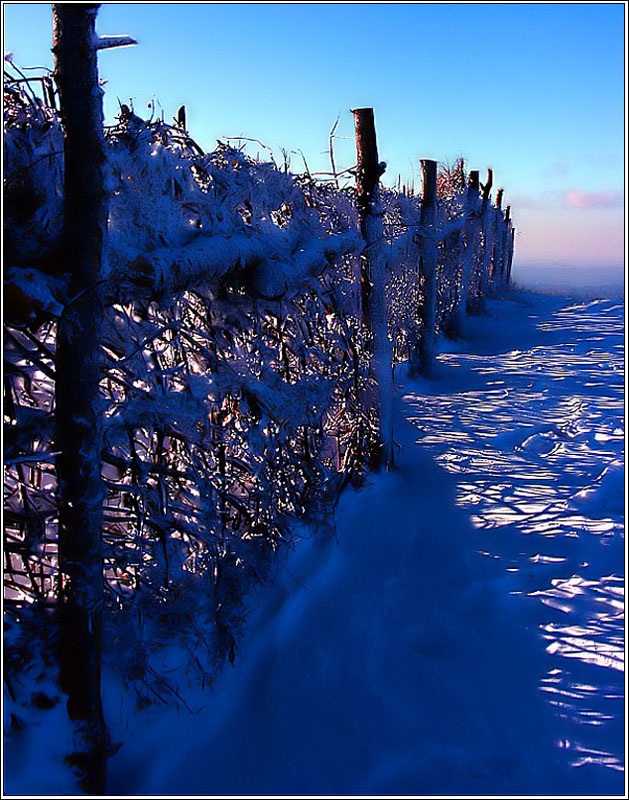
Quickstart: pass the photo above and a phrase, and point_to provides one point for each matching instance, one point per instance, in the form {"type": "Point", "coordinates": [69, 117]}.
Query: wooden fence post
{"type": "Point", "coordinates": [373, 279]}
{"type": "Point", "coordinates": [471, 243]}
{"type": "Point", "coordinates": [78, 417]}
{"type": "Point", "coordinates": [506, 246]}
{"type": "Point", "coordinates": [496, 276]}
{"type": "Point", "coordinates": [428, 259]}
{"type": "Point", "coordinates": [487, 216]}
{"type": "Point", "coordinates": [510, 258]}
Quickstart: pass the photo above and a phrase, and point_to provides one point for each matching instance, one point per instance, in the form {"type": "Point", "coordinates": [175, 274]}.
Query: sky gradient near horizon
{"type": "Point", "coordinates": [535, 91]}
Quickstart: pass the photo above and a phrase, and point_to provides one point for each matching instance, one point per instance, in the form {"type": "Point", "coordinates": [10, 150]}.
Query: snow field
{"type": "Point", "coordinates": [459, 629]}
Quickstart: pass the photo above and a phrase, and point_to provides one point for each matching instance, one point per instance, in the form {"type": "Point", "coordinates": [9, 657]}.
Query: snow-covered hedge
{"type": "Point", "coordinates": [235, 378]}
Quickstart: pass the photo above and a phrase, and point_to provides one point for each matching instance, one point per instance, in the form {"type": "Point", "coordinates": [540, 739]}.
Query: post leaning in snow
{"type": "Point", "coordinates": [372, 277]}
{"type": "Point", "coordinates": [426, 349]}
{"type": "Point", "coordinates": [471, 242]}
{"type": "Point", "coordinates": [78, 408]}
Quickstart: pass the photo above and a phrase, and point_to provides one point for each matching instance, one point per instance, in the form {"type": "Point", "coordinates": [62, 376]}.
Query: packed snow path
{"type": "Point", "coordinates": [461, 629]}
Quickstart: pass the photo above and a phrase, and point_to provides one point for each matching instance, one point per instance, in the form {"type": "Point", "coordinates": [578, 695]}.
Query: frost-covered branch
{"type": "Point", "coordinates": [265, 264]}
{"type": "Point", "coordinates": [108, 42]}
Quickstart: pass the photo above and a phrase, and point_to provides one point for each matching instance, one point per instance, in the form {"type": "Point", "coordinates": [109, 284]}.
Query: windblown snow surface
{"type": "Point", "coordinates": [460, 631]}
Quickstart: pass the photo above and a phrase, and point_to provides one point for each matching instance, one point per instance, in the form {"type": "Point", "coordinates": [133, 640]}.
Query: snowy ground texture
{"type": "Point", "coordinates": [460, 629]}
{"type": "Point", "coordinates": [461, 632]}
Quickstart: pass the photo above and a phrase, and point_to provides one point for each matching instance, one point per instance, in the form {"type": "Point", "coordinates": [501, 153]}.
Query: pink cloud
{"type": "Point", "coordinates": [570, 235]}
{"type": "Point", "coordinates": [578, 199]}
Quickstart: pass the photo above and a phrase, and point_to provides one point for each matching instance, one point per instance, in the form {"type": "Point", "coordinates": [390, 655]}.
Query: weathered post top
{"type": "Point", "coordinates": [76, 72]}
{"type": "Point", "coordinates": [508, 214]}
{"type": "Point", "coordinates": [473, 181]}
{"type": "Point", "coordinates": [488, 184]}
{"type": "Point", "coordinates": [499, 194]}
{"type": "Point", "coordinates": [429, 183]}
{"type": "Point", "coordinates": [460, 177]}
{"type": "Point", "coordinates": [367, 168]}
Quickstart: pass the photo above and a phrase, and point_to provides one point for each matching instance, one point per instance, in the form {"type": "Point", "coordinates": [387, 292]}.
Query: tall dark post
{"type": "Point", "coordinates": [506, 245]}
{"type": "Point", "coordinates": [510, 256]}
{"type": "Point", "coordinates": [366, 183]}
{"type": "Point", "coordinates": [471, 243]}
{"type": "Point", "coordinates": [373, 278]}
{"type": "Point", "coordinates": [78, 409]}
{"type": "Point", "coordinates": [424, 355]}
{"type": "Point", "coordinates": [487, 216]}
{"type": "Point", "coordinates": [496, 261]}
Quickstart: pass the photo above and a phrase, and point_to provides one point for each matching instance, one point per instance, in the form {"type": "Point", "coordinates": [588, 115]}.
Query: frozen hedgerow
{"type": "Point", "coordinates": [235, 370]}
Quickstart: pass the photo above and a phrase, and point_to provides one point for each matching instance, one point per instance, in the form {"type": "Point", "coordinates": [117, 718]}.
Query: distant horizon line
{"type": "Point", "coordinates": [568, 264]}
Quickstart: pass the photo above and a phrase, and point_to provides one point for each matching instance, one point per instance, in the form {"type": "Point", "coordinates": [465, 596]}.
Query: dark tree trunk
{"type": "Point", "coordinates": [78, 408]}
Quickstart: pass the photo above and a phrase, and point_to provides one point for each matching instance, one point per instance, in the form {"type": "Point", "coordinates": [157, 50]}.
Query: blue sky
{"type": "Point", "coordinates": [535, 91]}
